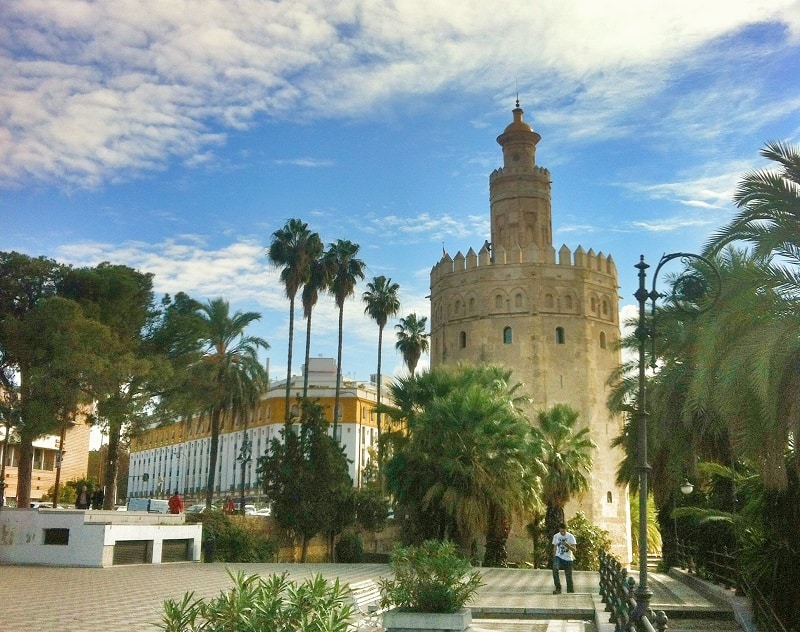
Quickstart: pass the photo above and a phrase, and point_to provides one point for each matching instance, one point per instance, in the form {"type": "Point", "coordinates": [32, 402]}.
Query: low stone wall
{"type": "Point", "coordinates": [76, 537]}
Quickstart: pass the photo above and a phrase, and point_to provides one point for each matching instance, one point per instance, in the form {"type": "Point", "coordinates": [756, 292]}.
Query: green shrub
{"type": "Point", "coordinates": [591, 540]}
{"type": "Point", "coordinates": [235, 540]}
{"type": "Point", "coordinates": [350, 548]}
{"type": "Point", "coordinates": [258, 603]}
{"type": "Point", "coordinates": [429, 578]}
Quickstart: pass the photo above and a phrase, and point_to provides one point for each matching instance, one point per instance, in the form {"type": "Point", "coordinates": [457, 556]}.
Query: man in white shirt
{"type": "Point", "coordinates": [564, 544]}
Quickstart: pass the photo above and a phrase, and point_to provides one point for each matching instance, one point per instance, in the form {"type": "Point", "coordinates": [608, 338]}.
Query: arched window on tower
{"type": "Point", "coordinates": [605, 307]}
{"type": "Point", "coordinates": [602, 340]}
{"type": "Point", "coordinates": [472, 305]}
{"type": "Point", "coordinates": [560, 338]}
{"type": "Point", "coordinates": [498, 301]}
{"type": "Point", "coordinates": [568, 302]}
{"type": "Point", "coordinates": [507, 336]}
{"type": "Point", "coordinates": [462, 339]}
{"type": "Point", "coordinates": [518, 301]}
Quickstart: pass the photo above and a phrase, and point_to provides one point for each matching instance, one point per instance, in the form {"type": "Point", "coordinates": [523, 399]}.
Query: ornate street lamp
{"type": "Point", "coordinates": [686, 289]}
{"type": "Point", "coordinates": [245, 458]}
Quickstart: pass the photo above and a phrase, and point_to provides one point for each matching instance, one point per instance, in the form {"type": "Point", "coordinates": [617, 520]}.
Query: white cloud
{"type": "Point", "coordinates": [93, 90]}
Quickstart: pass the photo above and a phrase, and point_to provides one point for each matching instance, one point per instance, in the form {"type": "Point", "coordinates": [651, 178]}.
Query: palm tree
{"type": "Point", "coordinates": [381, 303]}
{"type": "Point", "coordinates": [567, 457]}
{"type": "Point", "coordinates": [346, 269]}
{"type": "Point", "coordinates": [412, 341]}
{"type": "Point", "coordinates": [294, 249]}
{"type": "Point", "coordinates": [467, 463]}
{"type": "Point", "coordinates": [770, 215]}
{"type": "Point", "coordinates": [319, 281]}
{"type": "Point", "coordinates": [230, 370]}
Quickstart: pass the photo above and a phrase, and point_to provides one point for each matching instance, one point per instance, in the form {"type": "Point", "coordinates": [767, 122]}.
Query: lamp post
{"type": "Point", "coordinates": [245, 458]}
{"type": "Point", "coordinates": [686, 489]}
{"type": "Point", "coordinates": [689, 287]}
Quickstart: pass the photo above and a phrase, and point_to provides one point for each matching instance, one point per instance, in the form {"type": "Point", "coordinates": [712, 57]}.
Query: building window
{"type": "Point", "coordinates": [458, 308]}
{"type": "Point", "coordinates": [568, 301]}
{"type": "Point", "coordinates": [593, 304]}
{"type": "Point", "coordinates": [56, 536]}
{"type": "Point", "coordinates": [609, 498]}
{"type": "Point", "coordinates": [560, 335]}
{"type": "Point", "coordinates": [518, 300]}
{"type": "Point", "coordinates": [471, 305]}
{"type": "Point", "coordinates": [498, 301]}
{"type": "Point", "coordinates": [507, 336]}
{"type": "Point", "coordinates": [462, 339]}
{"type": "Point", "coordinates": [602, 340]}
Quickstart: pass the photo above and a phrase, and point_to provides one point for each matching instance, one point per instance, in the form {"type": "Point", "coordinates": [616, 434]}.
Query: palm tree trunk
{"type": "Point", "coordinates": [497, 531]}
{"type": "Point", "coordinates": [288, 417]}
{"type": "Point", "coordinates": [553, 517]}
{"type": "Point", "coordinates": [380, 445]}
{"type": "Point", "coordinates": [308, 354]}
{"type": "Point", "coordinates": [212, 457]}
{"type": "Point", "coordinates": [338, 373]}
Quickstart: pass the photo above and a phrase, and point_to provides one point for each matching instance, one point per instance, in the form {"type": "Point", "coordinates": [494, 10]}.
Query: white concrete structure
{"type": "Point", "coordinates": [65, 537]}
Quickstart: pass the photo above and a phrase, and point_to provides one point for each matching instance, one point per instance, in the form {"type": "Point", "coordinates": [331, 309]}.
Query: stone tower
{"type": "Point", "coordinates": [552, 318]}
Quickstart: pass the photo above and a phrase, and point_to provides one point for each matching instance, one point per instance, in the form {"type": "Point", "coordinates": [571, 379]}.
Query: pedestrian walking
{"type": "Point", "coordinates": [564, 545]}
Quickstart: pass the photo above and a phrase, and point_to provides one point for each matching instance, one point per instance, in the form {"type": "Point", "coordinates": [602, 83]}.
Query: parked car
{"type": "Point", "coordinates": [264, 511]}
{"type": "Point", "coordinates": [191, 509]}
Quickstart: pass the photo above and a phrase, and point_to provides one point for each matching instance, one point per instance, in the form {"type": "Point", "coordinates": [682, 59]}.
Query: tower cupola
{"type": "Point", "coordinates": [518, 141]}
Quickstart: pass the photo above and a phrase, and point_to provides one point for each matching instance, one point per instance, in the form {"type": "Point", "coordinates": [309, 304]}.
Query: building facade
{"type": "Point", "coordinates": [47, 451]}
{"type": "Point", "coordinates": [176, 456]}
{"type": "Point", "coordinates": [551, 317]}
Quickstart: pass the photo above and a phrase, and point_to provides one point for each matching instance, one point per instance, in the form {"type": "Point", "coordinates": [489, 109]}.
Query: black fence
{"type": "Point", "coordinates": [617, 590]}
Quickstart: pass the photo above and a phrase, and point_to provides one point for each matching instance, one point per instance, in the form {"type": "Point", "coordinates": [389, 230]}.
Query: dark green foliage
{"type": "Point", "coordinates": [235, 540]}
{"type": "Point", "coordinates": [257, 604]}
{"type": "Point", "coordinates": [306, 479]}
{"type": "Point", "coordinates": [350, 548]}
{"type": "Point", "coordinates": [372, 509]}
{"type": "Point", "coordinates": [591, 540]}
{"type": "Point", "coordinates": [432, 577]}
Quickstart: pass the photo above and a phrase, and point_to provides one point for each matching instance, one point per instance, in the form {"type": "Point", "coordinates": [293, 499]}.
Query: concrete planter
{"type": "Point", "coordinates": [397, 621]}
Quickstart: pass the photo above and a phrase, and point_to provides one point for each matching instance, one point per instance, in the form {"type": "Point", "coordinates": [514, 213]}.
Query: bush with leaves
{"type": "Point", "coordinates": [350, 548]}
{"type": "Point", "coordinates": [258, 603]}
{"type": "Point", "coordinates": [431, 577]}
{"type": "Point", "coordinates": [235, 540]}
{"type": "Point", "coordinates": [591, 540]}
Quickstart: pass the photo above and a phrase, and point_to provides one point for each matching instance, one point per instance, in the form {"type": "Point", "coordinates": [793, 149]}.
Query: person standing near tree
{"type": "Point", "coordinates": [83, 499]}
{"type": "Point", "coordinates": [97, 498]}
{"type": "Point", "coordinates": [564, 545]}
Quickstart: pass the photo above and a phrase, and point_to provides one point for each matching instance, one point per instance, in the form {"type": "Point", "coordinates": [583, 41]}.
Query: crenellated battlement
{"type": "Point", "coordinates": [536, 169]}
{"type": "Point", "coordinates": [580, 259]}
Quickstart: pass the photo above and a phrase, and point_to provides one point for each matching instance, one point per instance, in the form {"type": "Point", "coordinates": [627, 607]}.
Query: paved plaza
{"type": "Point", "coordinates": [129, 598]}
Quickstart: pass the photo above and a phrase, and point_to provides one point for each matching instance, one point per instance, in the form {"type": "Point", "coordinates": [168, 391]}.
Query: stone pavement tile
{"type": "Point", "coordinates": [130, 598]}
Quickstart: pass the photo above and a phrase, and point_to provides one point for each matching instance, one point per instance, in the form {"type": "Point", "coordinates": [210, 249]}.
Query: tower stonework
{"type": "Point", "coordinates": [551, 317]}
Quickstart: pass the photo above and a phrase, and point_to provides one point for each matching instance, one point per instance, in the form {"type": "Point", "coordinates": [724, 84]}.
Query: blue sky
{"type": "Point", "coordinates": [176, 137]}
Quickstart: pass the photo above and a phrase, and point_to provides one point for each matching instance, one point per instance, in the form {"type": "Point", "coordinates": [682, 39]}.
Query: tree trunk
{"type": "Point", "coordinates": [112, 461]}
{"type": "Point", "coordinates": [497, 531]}
{"type": "Point", "coordinates": [24, 472]}
{"type": "Point", "coordinates": [380, 444]}
{"type": "Point", "coordinates": [338, 373]}
{"type": "Point", "coordinates": [308, 354]}
{"type": "Point", "coordinates": [304, 549]}
{"type": "Point", "coordinates": [212, 457]}
{"type": "Point", "coordinates": [553, 517]}
{"type": "Point", "coordinates": [288, 416]}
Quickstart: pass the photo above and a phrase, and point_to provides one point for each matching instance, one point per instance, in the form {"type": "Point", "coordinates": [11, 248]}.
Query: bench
{"type": "Point", "coordinates": [365, 596]}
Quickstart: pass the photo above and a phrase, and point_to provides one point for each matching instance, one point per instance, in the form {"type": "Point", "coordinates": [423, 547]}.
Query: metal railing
{"type": "Point", "coordinates": [617, 591]}
{"type": "Point", "coordinates": [721, 567]}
